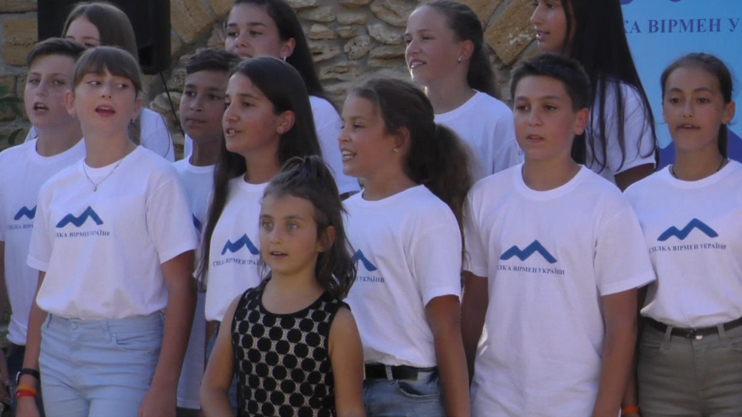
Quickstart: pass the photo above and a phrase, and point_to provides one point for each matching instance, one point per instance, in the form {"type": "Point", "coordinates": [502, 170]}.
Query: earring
{"type": "Point", "coordinates": [396, 150]}
{"type": "Point", "coordinates": [459, 61]}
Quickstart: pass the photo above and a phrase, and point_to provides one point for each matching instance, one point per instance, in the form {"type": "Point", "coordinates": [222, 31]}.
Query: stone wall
{"type": "Point", "coordinates": [348, 39]}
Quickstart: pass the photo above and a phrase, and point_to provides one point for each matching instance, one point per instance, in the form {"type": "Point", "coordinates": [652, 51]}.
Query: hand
{"type": "Point", "coordinates": [27, 407]}
{"type": "Point", "coordinates": [158, 402]}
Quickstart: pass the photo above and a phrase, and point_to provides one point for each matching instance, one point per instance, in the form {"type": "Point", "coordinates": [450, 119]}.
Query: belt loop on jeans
{"type": "Point", "coordinates": [723, 335]}
{"type": "Point", "coordinates": [388, 370]}
{"type": "Point", "coordinates": [668, 336]}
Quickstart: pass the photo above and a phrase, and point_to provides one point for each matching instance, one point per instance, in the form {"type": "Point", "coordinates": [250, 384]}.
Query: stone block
{"type": "Point", "coordinates": [321, 32]}
{"type": "Point", "coordinates": [17, 6]}
{"type": "Point", "coordinates": [358, 47]}
{"type": "Point", "coordinates": [9, 82]}
{"type": "Point", "coordinates": [346, 32]}
{"type": "Point", "coordinates": [324, 50]}
{"type": "Point", "coordinates": [353, 17]}
{"type": "Point", "coordinates": [396, 64]}
{"type": "Point", "coordinates": [302, 4]}
{"type": "Point", "coordinates": [175, 43]}
{"type": "Point", "coordinates": [385, 34]}
{"type": "Point", "coordinates": [218, 36]}
{"type": "Point", "coordinates": [387, 52]}
{"type": "Point", "coordinates": [324, 14]}
{"type": "Point", "coordinates": [190, 19]}
{"type": "Point", "coordinates": [221, 7]}
{"type": "Point", "coordinates": [161, 104]}
{"type": "Point", "coordinates": [343, 71]}
{"type": "Point", "coordinates": [177, 79]}
{"type": "Point", "coordinates": [20, 37]}
{"type": "Point", "coordinates": [511, 32]}
{"type": "Point", "coordinates": [354, 4]}
{"type": "Point", "coordinates": [393, 12]}
{"type": "Point", "coordinates": [483, 8]}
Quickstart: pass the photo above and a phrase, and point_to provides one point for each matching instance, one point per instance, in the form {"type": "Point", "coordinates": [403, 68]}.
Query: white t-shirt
{"type": "Point", "coordinates": [486, 124]}
{"type": "Point", "coordinates": [409, 252]}
{"type": "Point", "coordinates": [198, 182]}
{"type": "Point", "coordinates": [328, 124]}
{"type": "Point", "coordinates": [235, 248]}
{"type": "Point", "coordinates": [639, 146]}
{"type": "Point", "coordinates": [102, 250]}
{"type": "Point", "coordinates": [694, 233]}
{"type": "Point", "coordinates": [23, 172]}
{"type": "Point", "coordinates": [154, 131]}
{"type": "Point", "coordinates": [549, 256]}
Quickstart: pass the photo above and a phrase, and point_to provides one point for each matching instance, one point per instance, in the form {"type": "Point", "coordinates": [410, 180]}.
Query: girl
{"type": "Point", "coordinates": [95, 24]}
{"type": "Point", "coordinates": [293, 342]}
{"type": "Point", "coordinates": [265, 123]}
{"type": "Point", "coordinates": [404, 226]}
{"type": "Point", "coordinates": [620, 143]}
{"type": "Point", "coordinates": [690, 353]}
{"type": "Point", "coordinates": [113, 255]}
{"type": "Point", "coordinates": [270, 27]}
{"type": "Point", "coordinates": [446, 54]}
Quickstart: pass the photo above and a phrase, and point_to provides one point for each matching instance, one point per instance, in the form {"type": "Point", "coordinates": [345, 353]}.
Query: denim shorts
{"type": "Point", "coordinates": [98, 367]}
{"type": "Point", "coordinates": [404, 398]}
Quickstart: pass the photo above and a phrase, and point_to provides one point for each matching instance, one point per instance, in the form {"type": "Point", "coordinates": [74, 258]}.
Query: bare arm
{"type": "Point", "coordinates": [220, 371]}
{"type": "Point", "coordinates": [626, 178]}
{"type": "Point", "coordinates": [473, 312]}
{"type": "Point", "coordinates": [160, 400]}
{"type": "Point", "coordinates": [631, 397]}
{"type": "Point", "coordinates": [619, 316]}
{"type": "Point", "coordinates": [3, 286]}
{"type": "Point", "coordinates": [444, 318]}
{"type": "Point", "coordinates": [346, 356]}
{"type": "Point", "coordinates": [27, 405]}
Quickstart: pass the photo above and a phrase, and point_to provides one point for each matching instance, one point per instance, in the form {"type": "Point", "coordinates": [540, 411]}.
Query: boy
{"type": "Point", "coordinates": [201, 110]}
{"type": "Point", "coordinates": [25, 168]}
{"type": "Point", "coordinates": [554, 258]}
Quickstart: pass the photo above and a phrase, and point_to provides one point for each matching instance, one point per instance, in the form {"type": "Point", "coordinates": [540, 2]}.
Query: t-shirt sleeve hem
{"type": "Point", "coordinates": [176, 250]}
{"type": "Point", "coordinates": [628, 284]}
{"type": "Point", "coordinates": [477, 270]}
{"type": "Point", "coordinates": [432, 293]}
{"type": "Point", "coordinates": [641, 160]}
{"type": "Point", "coordinates": [37, 264]}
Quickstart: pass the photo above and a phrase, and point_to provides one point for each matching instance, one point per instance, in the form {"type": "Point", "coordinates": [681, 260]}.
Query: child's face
{"type": "Point", "coordinates": [252, 32]}
{"type": "Point", "coordinates": [288, 234]}
{"type": "Point", "coordinates": [550, 21]}
{"type": "Point", "coordinates": [366, 147]}
{"type": "Point", "coordinates": [545, 123]}
{"type": "Point", "coordinates": [433, 52]}
{"type": "Point", "coordinates": [104, 103]}
{"type": "Point", "coordinates": [202, 104]}
{"type": "Point", "coordinates": [249, 123]}
{"type": "Point", "coordinates": [693, 108]}
{"type": "Point", "coordinates": [82, 31]}
{"type": "Point", "coordinates": [47, 82]}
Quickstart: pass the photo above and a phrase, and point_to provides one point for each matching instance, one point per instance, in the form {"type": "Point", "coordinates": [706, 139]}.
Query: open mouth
{"type": "Point", "coordinates": [40, 106]}
{"type": "Point", "coordinates": [105, 110]}
{"type": "Point", "coordinates": [415, 63]}
{"type": "Point", "coordinates": [347, 155]}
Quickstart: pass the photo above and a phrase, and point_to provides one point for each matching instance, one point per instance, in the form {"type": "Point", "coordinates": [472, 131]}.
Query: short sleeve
{"type": "Point", "coordinates": [638, 140]}
{"type": "Point", "coordinates": [156, 136]}
{"type": "Point", "coordinates": [436, 262]}
{"type": "Point", "coordinates": [475, 257]}
{"type": "Point", "coordinates": [169, 220]}
{"type": "Point", "coordinates": [621, 256]}
{"type": "Point", "coordinates": [40, 248]}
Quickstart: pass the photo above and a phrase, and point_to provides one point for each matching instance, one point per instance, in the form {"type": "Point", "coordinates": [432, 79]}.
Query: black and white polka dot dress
{"type": "Point", "coordinates": [281, 360]}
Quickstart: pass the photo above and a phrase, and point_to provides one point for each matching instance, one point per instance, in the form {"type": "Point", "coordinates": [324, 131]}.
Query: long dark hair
{"type": "Point", "coordinates": [289, 27]}
{"type": "Point", "coordinates": [714, 66]}
{"type": "Point", "coordinates": [310, 179]}
{"type": "Point", "coordinates": [113, 25]}
{"type": "Point", "coordinates": [283, 86]}
{"type": "Point", "coordinates": [437, 158]}
{"type": "Point", "coordinates": [607, 62]}
{"type": "Point", "coordinates": [466, 25]}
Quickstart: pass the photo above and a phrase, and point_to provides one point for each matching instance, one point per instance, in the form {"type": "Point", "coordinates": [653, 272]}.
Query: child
{"type": "Point", "coordinates": [554, 258]}
{"type": "Point", "coordinates": [271, 27]}
{"type": "Point", "coordinates": [95, 24]}
{"type": "Point", "coordinates": [446, 54]}
{"type": "Point", "coordinates": [266, 123]}
{"type": "Point", "coordinates": [404, 228]}
{"type": "Point", "coordinates": [201, 110]}
{"type": "Point", "coordinates": [113, 255]}
{"type": "Point", "coordinates": [25, 168]}
{"type": "Point", "coordinates": [690, 353]}
{"type": "Point", "coordinates": [292, 341]}
{"type": "Point", "coordinates": [621, 144]}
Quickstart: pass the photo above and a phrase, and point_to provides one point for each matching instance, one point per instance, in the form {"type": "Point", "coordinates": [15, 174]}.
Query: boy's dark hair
{"type": "Point", "coordinates": [309, 178]}
{"type": "Point", "coordinates": [113, 25]}
{"type": "Point", "coordinates": [211, 59]}
{"type": "Point", "coordinates": [714, 66]}
{"type": "Point", "coordinates": [575, 80]}
{"type": "Point", "coordinates": [55, 46]}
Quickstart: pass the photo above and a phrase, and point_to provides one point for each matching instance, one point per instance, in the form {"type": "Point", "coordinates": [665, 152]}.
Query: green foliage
{"type": "Point", "coordinates": [15, 104]}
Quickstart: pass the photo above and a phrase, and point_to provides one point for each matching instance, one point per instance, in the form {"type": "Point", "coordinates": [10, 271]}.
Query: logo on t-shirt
{"type": "Point", "coordinates": [89, 213]}
{"type": "Point", "coordinates": [196, 223]}
{"type": "Point", "coordinates": [366, 263]}
{"type": "Point", "coordinates": [25, 211]}
{"type": "Point", "coordinates": [366, 276]}
{"type": "Point", "coordinates": [244, 241]}
{"type": "Point", "coordinates": [527, 252]}
{"type": "Point", "coordinates": [682, 234]}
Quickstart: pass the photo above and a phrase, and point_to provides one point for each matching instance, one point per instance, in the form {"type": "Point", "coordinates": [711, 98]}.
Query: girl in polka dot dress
{"type": "Point", "coordinates": [293, 343]}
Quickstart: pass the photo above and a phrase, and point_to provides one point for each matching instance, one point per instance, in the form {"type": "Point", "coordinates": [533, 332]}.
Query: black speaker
{"type": "Point", "coordinates": [149, 18]}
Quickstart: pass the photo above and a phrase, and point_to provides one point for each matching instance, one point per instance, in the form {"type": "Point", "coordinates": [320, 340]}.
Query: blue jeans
{"type": "Point", "coordinates": [98, 367]}
{"type": "Point", "coordinates": [404, 398]}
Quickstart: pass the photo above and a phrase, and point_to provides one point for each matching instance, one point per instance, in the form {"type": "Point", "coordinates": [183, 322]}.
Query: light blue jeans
{"type": "Point", "coordinates": [408, 398]}
{"type": "Point", "coordinates": [98, 367]}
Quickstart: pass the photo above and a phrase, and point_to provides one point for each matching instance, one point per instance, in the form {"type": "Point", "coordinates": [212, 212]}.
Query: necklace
{"type": "Point", "coordinates": [96, 184]}
{"type": "Point", "coordinates": [723, 161]}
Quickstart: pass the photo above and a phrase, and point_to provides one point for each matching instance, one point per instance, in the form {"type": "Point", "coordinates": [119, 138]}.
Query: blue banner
{"type": "Point", "coordinates": [660, 31]}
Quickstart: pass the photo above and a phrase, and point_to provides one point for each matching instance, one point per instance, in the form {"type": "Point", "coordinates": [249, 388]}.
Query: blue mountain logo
{"type": "Point", "coordinates": [25, 211]}
{"type": "Point", "coordinates": [366, 263]}
{"type": "Point", "coordinates": [196, 223]}
{"type": "Point", "coordinates": [243, 241]}
{"type": "Point", "coordinates": [89, 213]}
{"type": "Point", "coordinates": [682, 234]}
{"type": "Point", "coordinates": [527, 252]}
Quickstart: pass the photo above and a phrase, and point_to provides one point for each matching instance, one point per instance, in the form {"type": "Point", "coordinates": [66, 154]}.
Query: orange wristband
{"type": "Point", "coordinates": [24, 393]}
{"type": "Point", "coordinates": [28, 388]}
{"type": "Point", "coordinates": [630, 409]}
